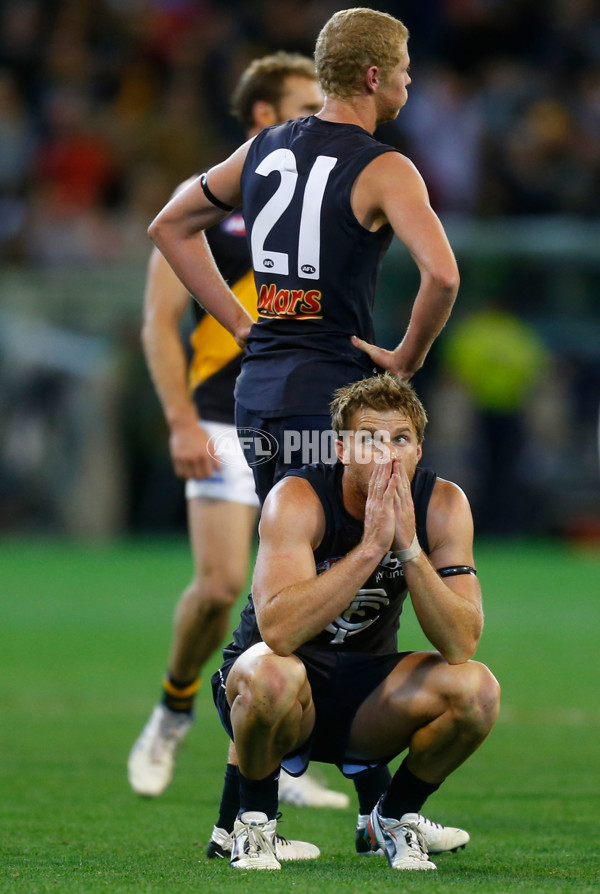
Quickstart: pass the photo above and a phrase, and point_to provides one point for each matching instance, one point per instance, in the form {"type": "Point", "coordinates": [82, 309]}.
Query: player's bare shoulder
{"type": "Point", "coordinates": [390, 177]}
{"type": "Point", "coordinates": [449, 512]}
{"type": "Point", "coordinates": [293, 506]}
{"type": "Point", "coordinates": [447, 500]}
{"type": "Point", "coordinates": [224, 178]}
{"type": "Point", "coordinates": [448, 495]}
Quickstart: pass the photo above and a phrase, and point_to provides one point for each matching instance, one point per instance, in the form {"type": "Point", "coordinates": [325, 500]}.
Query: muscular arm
{"type": "Point", "coordinates": [165, 302]}
{"type": "Point", "coordinates": [178, 232]}
{"type": "Point", "coordinates": [292, 602]}
{"type": "Point", "coordinates": [391, 190]}
{"type": "Point", "coordinates": [449, 609]}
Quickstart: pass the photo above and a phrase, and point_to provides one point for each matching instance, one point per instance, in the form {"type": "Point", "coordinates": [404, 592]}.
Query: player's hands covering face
{"type": "Point", "coordinates": [380, 516]}
{"type": "Point", "coordinates": [404, 509]}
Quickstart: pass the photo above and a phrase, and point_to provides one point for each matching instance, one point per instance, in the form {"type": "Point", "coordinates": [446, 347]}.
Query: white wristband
{"type": "Point", "coordinates": [405, 555]}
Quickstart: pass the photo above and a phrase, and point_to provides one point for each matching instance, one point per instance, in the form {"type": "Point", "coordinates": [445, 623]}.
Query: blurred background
{"type": "Point", "coordinates": [106, 105]}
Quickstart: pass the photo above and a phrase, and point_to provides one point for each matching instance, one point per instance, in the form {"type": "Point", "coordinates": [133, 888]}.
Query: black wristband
{"type": "Point", "coordinates": [211, 197]}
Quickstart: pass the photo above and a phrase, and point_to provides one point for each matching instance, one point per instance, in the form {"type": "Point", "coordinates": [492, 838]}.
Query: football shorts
{"type": "Point", "coordinates": [233, 482]}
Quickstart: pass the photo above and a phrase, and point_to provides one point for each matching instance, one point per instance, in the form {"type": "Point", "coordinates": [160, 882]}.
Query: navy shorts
{"type": "Point", "coordinates": [273, 446]}
{"type": "Point", "coordinates": [340, 682]}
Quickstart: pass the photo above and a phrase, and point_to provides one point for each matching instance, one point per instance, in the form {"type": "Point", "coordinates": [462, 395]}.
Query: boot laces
{"type": "Point", "coordinates": [280, 839]}
{"type": "Point", "coordinates": [257, 841]}
{"type": "Point", "coordinates": [428, 822]}
{"type": "Point", "coordinates": [415, 840]}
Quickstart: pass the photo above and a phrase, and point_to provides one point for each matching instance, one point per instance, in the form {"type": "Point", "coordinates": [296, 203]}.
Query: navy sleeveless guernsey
{"type": "Point", "coordinates": [371, 621]}
{"type": "Point", "coordinates": [315, 266]}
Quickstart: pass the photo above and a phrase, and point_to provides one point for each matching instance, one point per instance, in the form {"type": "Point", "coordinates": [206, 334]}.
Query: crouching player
{"type": "Point", "coordinates": [314, 671]}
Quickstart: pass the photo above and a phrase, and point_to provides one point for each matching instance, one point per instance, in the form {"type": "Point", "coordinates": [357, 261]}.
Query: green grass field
{"type": "Point", "coordinates": [84, 639]}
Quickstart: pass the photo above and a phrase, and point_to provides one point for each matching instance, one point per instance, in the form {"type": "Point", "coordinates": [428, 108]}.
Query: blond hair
{"type": "Point", "coordinates": [380, 393]}
{"type": "Point", "coordinates": [351, 41]}
{"type": "Point", "coordinates": [264, 81]}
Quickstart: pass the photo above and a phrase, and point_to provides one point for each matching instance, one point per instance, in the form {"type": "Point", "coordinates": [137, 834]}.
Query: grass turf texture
{"type": "Point", "coordinates": [85, 635]}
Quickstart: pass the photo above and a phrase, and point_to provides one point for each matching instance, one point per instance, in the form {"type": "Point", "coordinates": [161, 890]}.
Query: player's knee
{"type": "Point", "coordinates": [278, 677]}
{"type": "Point", "coordinates": [272, 685]}
{"type": "Point", "coordinates": [476, 696]}
{"type": "Point", "coordinates": [213, 591]}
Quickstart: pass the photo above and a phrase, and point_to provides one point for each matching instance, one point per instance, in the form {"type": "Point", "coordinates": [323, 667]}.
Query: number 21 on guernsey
{"type": "Point", "coordinates": [309, 234]}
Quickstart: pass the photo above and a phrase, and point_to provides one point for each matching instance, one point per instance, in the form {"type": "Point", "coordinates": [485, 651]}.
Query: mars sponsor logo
{"type": "Point", "coordinates": [296, 304]}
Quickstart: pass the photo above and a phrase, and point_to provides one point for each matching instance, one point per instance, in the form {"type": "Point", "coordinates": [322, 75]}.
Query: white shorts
{"type": "Point", "coordinates": [234, 482]}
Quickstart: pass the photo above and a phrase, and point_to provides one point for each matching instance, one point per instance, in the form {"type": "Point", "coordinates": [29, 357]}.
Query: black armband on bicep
{"type": "Point", "coordinates": [212, 198]}
{"type": "Point", "coordinates": [453, 570]}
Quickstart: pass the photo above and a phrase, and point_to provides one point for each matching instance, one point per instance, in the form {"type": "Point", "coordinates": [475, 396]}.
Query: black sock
{"type": "Point", "coordinates": [179, 695]}
{"type": "Point", "coordinates": [260, 794]}
{"type": "Point", "coordinates": [407, 793]}
{"type": "Point", "coordinates": [230, 799]}
{"type": "Point", "coordinates": [370, 785]}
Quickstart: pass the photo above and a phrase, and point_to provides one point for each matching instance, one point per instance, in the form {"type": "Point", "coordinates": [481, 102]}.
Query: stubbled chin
{"type": "Point", "coordinates": [388, 116]}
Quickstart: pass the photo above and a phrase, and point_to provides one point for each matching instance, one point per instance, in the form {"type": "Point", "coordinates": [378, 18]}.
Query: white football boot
{"type": "Point", "coordinates": [401, 842]}
{"type": "Point", "coordinates": [221, 843]}
{"type": "Point", "coordinates": [152, 759]}
{"type": "Point", "coordinates": [253, 842]}
{"type": "Point", "coordinates": [438, 838]}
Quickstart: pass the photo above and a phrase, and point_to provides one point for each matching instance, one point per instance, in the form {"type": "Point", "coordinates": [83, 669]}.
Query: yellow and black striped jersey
{"type": "Point", "coordinates": [216, 358]}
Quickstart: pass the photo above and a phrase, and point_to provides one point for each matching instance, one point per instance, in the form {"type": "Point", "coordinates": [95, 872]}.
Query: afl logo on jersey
{"type": "Point", "coordinates": [268, 263]}
{"type": "Point", "coordinates": [308, 268]}
{"type": "Point", "coordinates": [234, 225]}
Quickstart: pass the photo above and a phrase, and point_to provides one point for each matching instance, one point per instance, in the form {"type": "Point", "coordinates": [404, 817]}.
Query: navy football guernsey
{"type": "Point", "coordinates": [372, 619]}
{"type": "Point", "coordinates": [315, 266]}
{"type": "Point", "coordinates": [216, 358]}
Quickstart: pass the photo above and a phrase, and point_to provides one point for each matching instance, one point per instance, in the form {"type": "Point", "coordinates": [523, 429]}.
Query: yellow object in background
{"type": "Point", "coordinates": [497, 357]}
